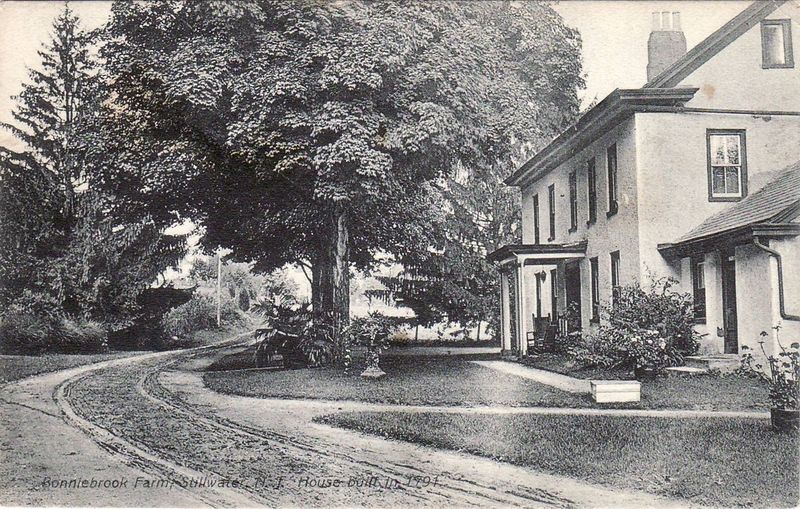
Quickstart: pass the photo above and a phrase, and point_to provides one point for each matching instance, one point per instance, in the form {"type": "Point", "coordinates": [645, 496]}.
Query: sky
{"type": "Point", "coordinates": [614, 37]}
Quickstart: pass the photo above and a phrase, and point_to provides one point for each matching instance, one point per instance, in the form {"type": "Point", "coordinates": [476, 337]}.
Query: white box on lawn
{"type": "Point", "coordinates": [616, 391]}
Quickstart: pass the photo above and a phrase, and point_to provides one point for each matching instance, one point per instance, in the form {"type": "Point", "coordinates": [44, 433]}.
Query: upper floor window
{"type": "Point", "coordinates": [536, 219]}
{"type": "Point", "coordinates": [573, 202]}
{"type": "Point", "coordinates": [776, 44]}
{"type": "Point", "coordinates": [551, 195]}
{"type": "Point", "coordinates": [591, 176]}
{"type": "Point", "coordinates": [611, 165]}
{"type": "Point", "coordinates": [699, 288]}
{"type": "Point", "coordinates": [727, 166]}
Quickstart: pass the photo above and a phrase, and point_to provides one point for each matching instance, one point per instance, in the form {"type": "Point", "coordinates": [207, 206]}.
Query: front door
{"type": "Point", "coordinates": [572, 281]}
{"type": "Point", "coordinates": [730, 328]}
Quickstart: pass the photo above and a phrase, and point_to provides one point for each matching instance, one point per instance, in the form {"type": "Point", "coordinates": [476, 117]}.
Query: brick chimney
{"type": "Point", "coordinates": [666, 43]}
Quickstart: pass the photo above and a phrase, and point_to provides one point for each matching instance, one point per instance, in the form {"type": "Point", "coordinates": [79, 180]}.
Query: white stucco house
{"type": "Point", "coordinates": [694, 175]}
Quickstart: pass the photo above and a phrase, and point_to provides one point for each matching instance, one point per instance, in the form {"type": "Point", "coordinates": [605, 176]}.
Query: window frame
{"type": "Point", "coordinates": [551, 198]}
{"type": "Point", "coordinates": [615, 268]}
{"type": "Point", "coordinates": [788, 54]}
{"type": "Point", "coordinates": [727, 197]}
{"type": "Point", "coordinates": [594, 283]}
{"type": "Point", "coordinates": [612, 173]}
{"type": "Point", "coordinates": [697, 267]}
{"type": "Point", "coordinates": [573, 201]}
{"type": "Point", "coordinates": [591, 184]}
{"type": "Point", "coordinates": [536, 230]}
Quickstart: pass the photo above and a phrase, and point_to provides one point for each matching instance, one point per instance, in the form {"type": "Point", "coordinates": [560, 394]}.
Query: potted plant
{"type": "Point", "coordinates": [372, 331]}
{"type": "Point", "coordinates": [783, 377]}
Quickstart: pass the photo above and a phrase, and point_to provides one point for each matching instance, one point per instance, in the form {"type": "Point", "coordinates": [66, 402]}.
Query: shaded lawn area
{"type": "Point", "coordinates": [719, 462]}
{"type": "Point", "coordinates": [16, 367]}
{"type": "Point", "coordinates": [410, 380]}
{"type": "Point", "coordinates": [684, 391]}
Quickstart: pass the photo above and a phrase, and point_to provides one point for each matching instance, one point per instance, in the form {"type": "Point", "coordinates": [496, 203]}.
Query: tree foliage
{"type": "Point", "coordinates": [68, 247]}
{"type": "Point", "coordinates": [325, 131]}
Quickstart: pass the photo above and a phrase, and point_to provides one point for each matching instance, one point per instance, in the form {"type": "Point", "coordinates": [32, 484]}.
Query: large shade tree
{"type": "Point", "coordinates": [324, 132]}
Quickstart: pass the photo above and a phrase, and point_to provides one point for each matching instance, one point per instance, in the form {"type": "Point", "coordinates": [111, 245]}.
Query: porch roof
{"type": "Point", "coordinates": [769, 212]}
{"type": "Point", "coordinates": [535, 254]}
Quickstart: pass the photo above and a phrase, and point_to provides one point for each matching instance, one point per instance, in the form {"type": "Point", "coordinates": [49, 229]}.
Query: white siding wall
{"type": "Point", "coordinates": [734, 79]}
{"type": "Point", "coordinates": [607, 234]}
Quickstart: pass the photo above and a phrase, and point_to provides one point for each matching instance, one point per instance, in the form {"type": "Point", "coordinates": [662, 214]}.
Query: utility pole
{"type": "Point", "coordinates": [219, 287]}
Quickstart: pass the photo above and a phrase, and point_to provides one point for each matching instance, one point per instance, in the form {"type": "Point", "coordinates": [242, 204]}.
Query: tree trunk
{"type": "Point", "coordinates": [330, 287]}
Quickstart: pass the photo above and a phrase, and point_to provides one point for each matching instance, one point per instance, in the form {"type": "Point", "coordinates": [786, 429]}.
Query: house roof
{"type": "Point", "coordinates": [714, 43]}
{"type": "Point", "coordinates": [616, 105]}
{"type": "Point", "coordinates": [542, 252]}
{"type": "Point", "coordinates": [596, 121]}
{"type": "Point", "coordinates": [775, 202]}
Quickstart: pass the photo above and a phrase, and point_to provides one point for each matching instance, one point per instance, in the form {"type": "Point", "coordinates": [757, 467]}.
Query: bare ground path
{"type": "Point", "coordinates": [133, 419]}
{"type": "Point", "coordinates": [39, 445]}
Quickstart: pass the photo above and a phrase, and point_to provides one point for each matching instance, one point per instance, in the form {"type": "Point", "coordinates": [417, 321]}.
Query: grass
{"type": "Point", "coordinates": [451, 380]}
{"type": "Point", "coordinates": [693, 392]}
{"type": "Point", "coordinates": [16, 367]}
{"type": "Point", "coordinates": [718, 462]}
{"type": "Point", "coordinates": [410, 380]}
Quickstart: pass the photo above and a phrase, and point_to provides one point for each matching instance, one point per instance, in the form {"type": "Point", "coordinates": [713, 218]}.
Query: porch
{"type": "Point", "coordinates": [536, 285]}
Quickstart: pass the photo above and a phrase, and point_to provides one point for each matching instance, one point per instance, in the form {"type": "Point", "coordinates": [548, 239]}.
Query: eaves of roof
{"type": "Point", "coordinates": [610, 111]}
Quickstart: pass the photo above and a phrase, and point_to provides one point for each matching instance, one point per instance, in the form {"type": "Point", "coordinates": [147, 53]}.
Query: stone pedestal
{"type": "Point", "coordinates": [373, 372]}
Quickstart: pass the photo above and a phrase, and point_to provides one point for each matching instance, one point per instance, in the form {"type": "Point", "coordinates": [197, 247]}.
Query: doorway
{"type": "Point", "coordinates": [729, 321]}
{"type": "Point", "coordinates": [572, 282]}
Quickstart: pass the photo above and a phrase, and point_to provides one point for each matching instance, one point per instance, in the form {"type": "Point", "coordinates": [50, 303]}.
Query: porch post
{"type": "Point", "coordinates": [522, 325]}
{"type": "Point", "coordinates": [505, 312]}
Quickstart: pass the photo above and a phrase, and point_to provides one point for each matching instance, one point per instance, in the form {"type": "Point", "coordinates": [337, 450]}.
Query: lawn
{"type": "Point", "coordinates": [718, 462]}
{"type": "Point", "coordinates": [410, 380]}
{"type": "Point", "coordinates": [452, 380]}
{"type": "Point", "coordinates": [685, 391]}
{"type": "Point", "coordinates": [15, 367]}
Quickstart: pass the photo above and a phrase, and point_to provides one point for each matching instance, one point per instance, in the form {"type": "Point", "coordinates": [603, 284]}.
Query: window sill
{"type": "Point", "coordinates": [725, 198]}
{"type": "Point", "coordinates": [613, 209]}
{"type": "Point", "coordinates": [611, 213]}
{"type": "Point", "coordinates": [590, 222]}
{"type": "Point", "coordinates": [788, 65]}
{"type": "Point", "coordinates": [573, 229]}
{"type": "Point", "coordinates": [594, 320]}
{"type": "Point", "coordinates": [700, 320]}
{"type": "Point", "coordinates": [550, 239]}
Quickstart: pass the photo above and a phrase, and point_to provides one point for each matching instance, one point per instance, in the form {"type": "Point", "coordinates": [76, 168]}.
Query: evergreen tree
{"type": "Point", "coordinates": [68, 247]}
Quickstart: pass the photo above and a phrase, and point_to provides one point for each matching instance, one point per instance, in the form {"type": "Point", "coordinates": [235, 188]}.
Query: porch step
{"type": "Point", "coordinates": [686, 370]}
{"type": "Point", "coordinates": [724, 363]}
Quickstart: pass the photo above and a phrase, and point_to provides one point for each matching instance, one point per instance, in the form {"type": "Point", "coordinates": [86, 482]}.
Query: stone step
{"type": "Point", "coordinates": [686, 370]}
{"type": "Point", "coordinates": [725, 363]}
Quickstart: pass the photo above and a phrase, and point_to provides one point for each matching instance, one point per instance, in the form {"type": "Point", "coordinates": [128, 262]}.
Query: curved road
{"type": "Point", "coordinates": [149, 425]}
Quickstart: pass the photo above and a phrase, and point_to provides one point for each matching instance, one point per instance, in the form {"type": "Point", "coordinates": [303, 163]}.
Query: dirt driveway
{"type": "Point", "coordinates": [151, 417]}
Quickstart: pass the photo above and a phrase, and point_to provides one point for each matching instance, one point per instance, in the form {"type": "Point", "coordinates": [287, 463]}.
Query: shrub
{"type": "Point", "coordinates": [81, 336]}
{"type": "Point", "coordinates": [26, 333]}
{"type": "Point", "coordinates": [200, 313]}
{"type": "Point", "coordinates": [645, 328]}
{"type": "Point", "coordinates": [30, 334]}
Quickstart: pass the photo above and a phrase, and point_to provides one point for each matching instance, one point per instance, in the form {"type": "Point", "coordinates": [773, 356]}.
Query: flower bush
{"type": "Point", "coordinates": [651, 328]}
